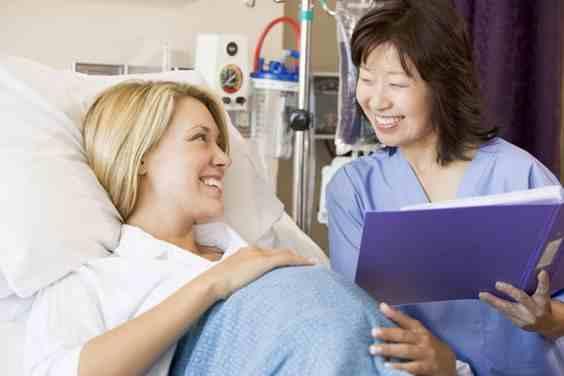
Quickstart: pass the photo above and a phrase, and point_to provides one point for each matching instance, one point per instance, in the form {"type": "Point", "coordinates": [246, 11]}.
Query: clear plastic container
{"type": "Point", "coordinates": [272, 101]}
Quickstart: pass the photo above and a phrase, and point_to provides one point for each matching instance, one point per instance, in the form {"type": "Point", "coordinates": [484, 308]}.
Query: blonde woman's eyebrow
{"type": "Point", "coordinates": [199, 127]}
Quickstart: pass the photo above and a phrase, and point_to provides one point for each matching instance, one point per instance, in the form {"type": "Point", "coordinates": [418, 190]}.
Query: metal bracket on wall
{"type": "Point", "coordinates": [326, 8]}
{"type": "Point", "coordinates": [116, 69]}
{"type": "Point", "coordinates": [252, 3]}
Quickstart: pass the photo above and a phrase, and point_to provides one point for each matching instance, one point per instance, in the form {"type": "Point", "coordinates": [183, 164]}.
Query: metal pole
{"type": "Point", "coordinates": [301, 144]}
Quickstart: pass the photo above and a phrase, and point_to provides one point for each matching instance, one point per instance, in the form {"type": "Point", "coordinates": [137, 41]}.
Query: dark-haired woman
{"type": "Point", "coordinates": [418, 89]}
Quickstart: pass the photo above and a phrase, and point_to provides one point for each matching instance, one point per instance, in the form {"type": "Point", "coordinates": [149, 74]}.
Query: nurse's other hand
{"type": "Point", "coordinates": [248, 264]}
{"type": "Point", "coordinates": [424, 353]}
{"type": "Point", "coordinates": [531, 313]}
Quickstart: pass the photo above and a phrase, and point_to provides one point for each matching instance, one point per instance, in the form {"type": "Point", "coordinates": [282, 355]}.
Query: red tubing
{"type": "Point", "coordinates": [288, 20]}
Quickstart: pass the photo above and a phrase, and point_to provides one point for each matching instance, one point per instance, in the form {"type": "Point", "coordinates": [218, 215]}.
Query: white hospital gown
{"type": "Point", "coordinates": [107, 292]}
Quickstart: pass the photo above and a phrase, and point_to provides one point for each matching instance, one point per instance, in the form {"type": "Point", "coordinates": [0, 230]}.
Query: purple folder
{"type": "Point", "coordinates": [455, 253]}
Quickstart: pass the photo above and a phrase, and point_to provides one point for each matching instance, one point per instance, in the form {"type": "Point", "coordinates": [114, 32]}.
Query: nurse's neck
{"type": "Point", "coordinates": [422, 154]}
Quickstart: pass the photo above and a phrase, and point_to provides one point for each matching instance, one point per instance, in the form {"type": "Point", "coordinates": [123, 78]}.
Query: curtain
{"type": "Point", "coordinates": [517, 45]}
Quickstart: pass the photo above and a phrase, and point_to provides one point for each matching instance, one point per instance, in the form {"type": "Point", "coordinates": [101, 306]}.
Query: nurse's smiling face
{"type": "Point", "coordinates": [185, 170]}
{"type": "Point", "coordinates": [397, 105]}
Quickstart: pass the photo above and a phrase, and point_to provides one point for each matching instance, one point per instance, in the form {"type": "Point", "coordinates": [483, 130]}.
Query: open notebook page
{"type": "Point", "coordinates": [546, 195]}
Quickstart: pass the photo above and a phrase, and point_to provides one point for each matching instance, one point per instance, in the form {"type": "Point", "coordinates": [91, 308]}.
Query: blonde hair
{"type": "Point", "coordinates": [125, 122]}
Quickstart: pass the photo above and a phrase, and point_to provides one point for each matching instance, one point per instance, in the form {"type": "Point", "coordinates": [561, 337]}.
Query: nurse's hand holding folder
{"type": "Point", "coordinates": [536, 313]}
{"type": "Point", "coordinates": [426, 354]}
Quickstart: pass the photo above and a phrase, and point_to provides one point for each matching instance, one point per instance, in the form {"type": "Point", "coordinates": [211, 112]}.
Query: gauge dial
{"type": "Point", "coordinates": [231, 78]}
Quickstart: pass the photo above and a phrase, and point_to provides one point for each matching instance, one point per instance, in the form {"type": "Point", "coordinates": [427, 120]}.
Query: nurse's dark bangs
{"type": "Point", "coordinates": [393, 26]}
{"type": "Point", "coordinates": [431, 37]}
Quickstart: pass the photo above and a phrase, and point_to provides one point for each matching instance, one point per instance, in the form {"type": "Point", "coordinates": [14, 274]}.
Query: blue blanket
{"type": "Point", "coordinates": [292, 321]}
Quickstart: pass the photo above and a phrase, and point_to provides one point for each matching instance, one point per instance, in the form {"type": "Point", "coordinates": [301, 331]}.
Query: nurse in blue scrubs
{"type": "Point", "coordinates": [418, 89]}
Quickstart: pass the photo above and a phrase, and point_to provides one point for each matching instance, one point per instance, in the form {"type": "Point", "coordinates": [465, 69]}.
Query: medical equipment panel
{"type": "Point", "coordinates": [223, 60]}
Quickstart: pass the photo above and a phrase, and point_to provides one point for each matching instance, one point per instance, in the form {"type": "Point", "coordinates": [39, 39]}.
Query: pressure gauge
{"type": "Point", "coordinates": [231, 78]}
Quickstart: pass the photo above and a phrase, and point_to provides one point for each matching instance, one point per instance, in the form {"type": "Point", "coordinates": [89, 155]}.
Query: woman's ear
{"type": "Point", "coordinates": [142, 169]}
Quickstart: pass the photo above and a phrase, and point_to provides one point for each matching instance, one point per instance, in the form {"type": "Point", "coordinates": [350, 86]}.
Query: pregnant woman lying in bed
{"type": "Point", "coordinates": [183, 294]}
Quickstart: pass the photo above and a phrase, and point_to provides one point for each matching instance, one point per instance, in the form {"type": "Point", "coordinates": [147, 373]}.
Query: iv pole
{"type": "Point", "coordinates": [302, 136]}
{"type": "Point", "coordinates": [301, 121]}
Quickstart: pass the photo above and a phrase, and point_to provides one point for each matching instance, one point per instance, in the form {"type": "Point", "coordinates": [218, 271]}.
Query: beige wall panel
{"type": "Point", "coordinates": [58, 32]}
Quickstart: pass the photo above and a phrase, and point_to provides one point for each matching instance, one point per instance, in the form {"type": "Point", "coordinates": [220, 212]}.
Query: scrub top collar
{"type": "Point", "coordinates": [466, 186]}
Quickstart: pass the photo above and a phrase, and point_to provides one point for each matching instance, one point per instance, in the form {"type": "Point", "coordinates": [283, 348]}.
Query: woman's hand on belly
{"type": "Point", "coordinates": [535, 313]}
{"type": "Point", "coordinates": [248, 264]}
{"type": "Point", "coordinates": [424, 354]}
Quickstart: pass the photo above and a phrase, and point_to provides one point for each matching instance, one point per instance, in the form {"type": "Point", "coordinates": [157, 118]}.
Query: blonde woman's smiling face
{"type": "Point", "coordinates": [187, 167]}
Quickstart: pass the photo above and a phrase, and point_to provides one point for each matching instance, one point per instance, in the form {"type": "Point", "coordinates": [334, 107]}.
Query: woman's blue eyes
{"type": "Point", "coordinates": [201, 137]}
{"type": "Point", "coordinates": [205, 138]}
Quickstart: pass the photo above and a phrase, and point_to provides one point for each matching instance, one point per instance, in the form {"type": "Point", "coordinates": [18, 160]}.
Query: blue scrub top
{"type": "Point", "coordinates": [477, 333]}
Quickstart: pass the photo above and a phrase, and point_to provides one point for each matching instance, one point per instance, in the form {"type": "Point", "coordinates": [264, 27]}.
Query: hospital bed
{"type": "Point", "coordinates": [37, 106]}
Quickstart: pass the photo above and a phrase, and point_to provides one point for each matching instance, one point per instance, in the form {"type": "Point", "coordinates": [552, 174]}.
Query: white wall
{"type": "Point", "coordinates": [58, 32]}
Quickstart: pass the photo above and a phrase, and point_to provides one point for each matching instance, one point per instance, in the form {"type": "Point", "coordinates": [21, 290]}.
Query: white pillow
{"type": "Point", "coordinates": [54, 215]}
{"type": "Point", "coordinates": [12, 335]}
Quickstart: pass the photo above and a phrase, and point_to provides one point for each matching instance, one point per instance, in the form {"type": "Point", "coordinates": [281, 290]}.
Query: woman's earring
{"type": "Point", "coordinates": [142, 169]}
